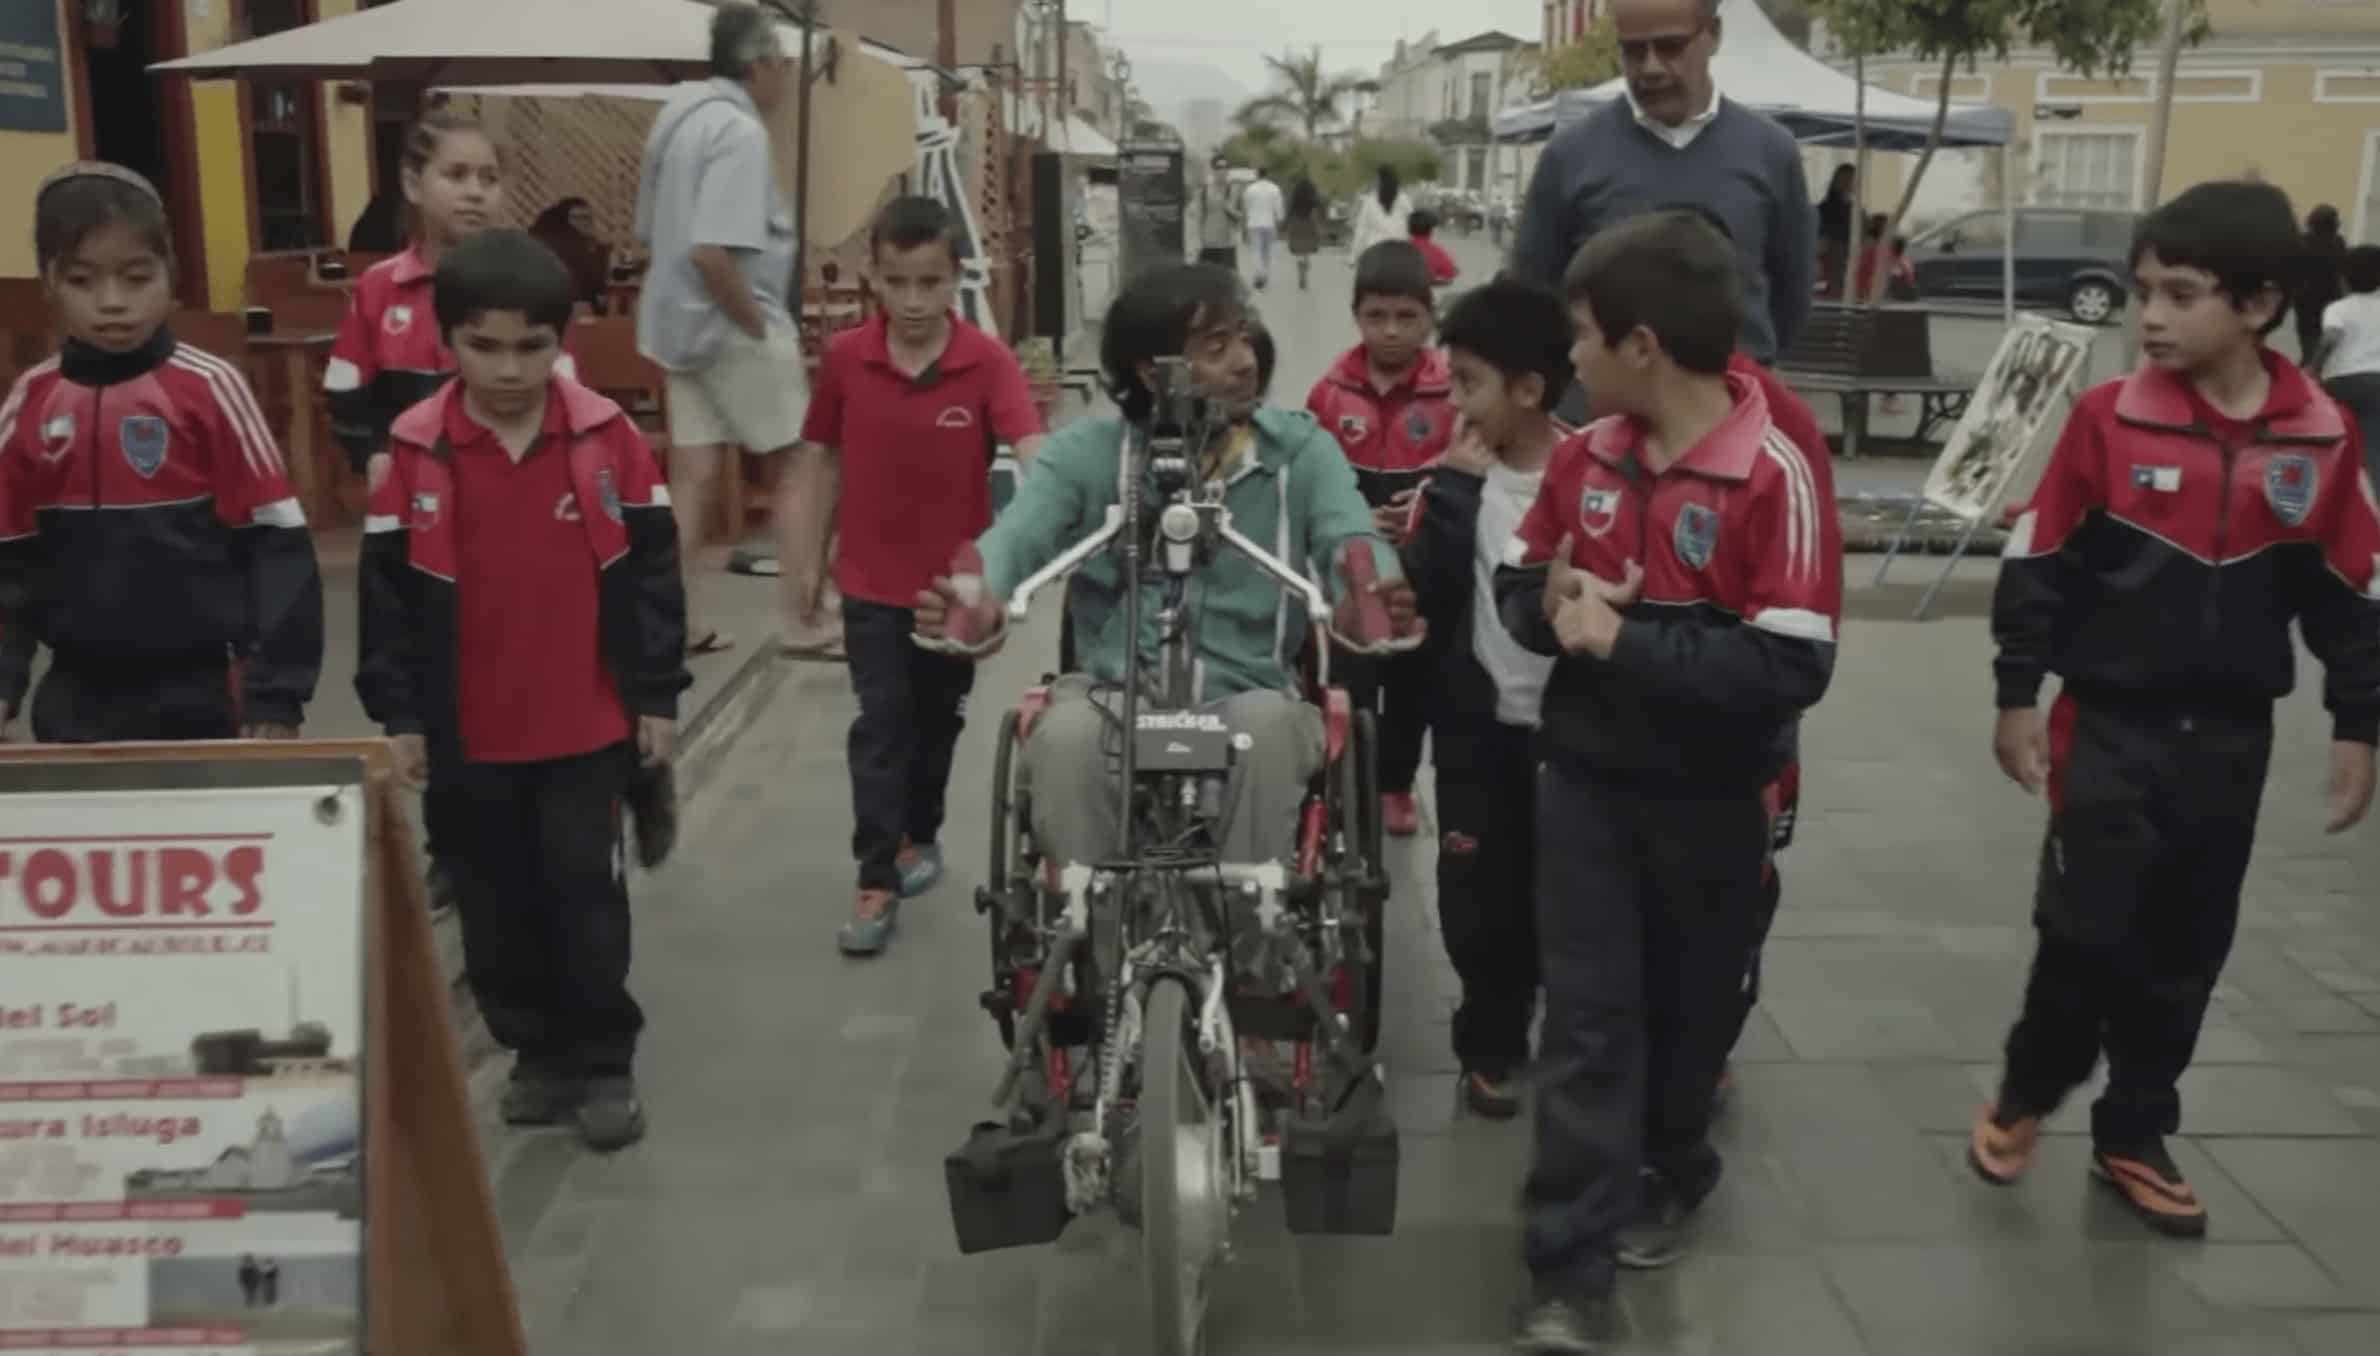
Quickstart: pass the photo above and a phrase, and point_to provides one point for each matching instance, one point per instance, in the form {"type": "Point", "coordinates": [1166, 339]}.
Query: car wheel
{"type": "Point", "coordinates": [2094, 301]}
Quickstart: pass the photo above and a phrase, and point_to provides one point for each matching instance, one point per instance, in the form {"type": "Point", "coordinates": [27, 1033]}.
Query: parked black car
{"type": "Point", "coordinates": [2065, 257]}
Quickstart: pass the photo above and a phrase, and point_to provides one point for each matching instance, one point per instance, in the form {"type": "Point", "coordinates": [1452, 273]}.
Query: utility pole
{"type": "Point", "coordinates": [2169, 59]}
{"type": "Point", "coordinates": [1065, 99]}
{"type": "Point", "coordinates": [801, 166]}
{"type": "Point", "coordinates": [946, 55]}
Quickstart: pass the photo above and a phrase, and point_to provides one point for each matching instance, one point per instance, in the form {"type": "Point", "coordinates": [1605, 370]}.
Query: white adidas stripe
{"type": "Point", "coordinates": [1801, 505]}
{"type": "Point", "coordinates": [238, 404]}
{"type": "Point", "coordinates": [15, 404]}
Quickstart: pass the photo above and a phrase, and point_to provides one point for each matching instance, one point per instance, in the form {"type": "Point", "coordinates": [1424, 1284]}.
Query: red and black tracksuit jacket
{"type": "Point", "coordinates": [406, 670]}
{"type": "Point", "coordinates": [2161, 560]}
{"type": "Point", "coordinates": [388, 356]}
{"type": "Point", "coordinates": [1390, 437]}
{"type": "Point", "coordinates": [1734, 634]}
{"type": "Point", "coordinates": [147, 525]}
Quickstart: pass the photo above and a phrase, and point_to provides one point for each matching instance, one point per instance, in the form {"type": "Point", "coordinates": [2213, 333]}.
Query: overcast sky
{"type": "Point", "coordinates": [1234, 35]}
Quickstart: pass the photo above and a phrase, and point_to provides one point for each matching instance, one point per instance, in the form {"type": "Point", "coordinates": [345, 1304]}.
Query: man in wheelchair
{"type": "Point", "coordinates": [1284, 485]}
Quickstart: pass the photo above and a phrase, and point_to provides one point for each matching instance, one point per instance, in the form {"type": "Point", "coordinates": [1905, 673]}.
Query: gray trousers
{"type": "Point", "coordinates": [1070, 765]}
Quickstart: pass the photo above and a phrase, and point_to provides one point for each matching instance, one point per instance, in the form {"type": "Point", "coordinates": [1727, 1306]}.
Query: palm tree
{"type": "Point", "coordinates": [1307, 95]}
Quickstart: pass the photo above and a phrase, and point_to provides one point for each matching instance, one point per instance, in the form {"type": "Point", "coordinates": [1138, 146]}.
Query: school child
{"type": "Point", "coordinates": [1508, 351]}
{"type": "Point", "coordinates": [896, 447]}
{"type": "Point", "coordinates": [1388, 402]}
{"type": "Point", "coordinates": [389, 355]}
{"type": "Point", "coordinates": [2189, 511]}
{"type": "Point", "coordinates": [1422, 226]}
{"type": "Point", "coordinates": [1682, 565]}
{"type": "Point", "coordinates": [189, 606]}
{"type": "Point", "coordinates": [2347, 356]}
{"type": "Point", "coordinates": [523, 641]}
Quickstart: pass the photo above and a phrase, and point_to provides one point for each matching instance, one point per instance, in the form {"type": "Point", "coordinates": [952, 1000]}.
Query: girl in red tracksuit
{"type": "Point", "coordinates": [198, 564]}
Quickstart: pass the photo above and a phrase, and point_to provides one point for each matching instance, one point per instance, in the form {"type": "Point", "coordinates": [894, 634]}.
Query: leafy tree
{"type": "Point", "coordinates": [1584, 64]}
{"type": "Point", "coordinates": [2091, 37]}
{"type": "Point", "coordinates": [1308, 96]}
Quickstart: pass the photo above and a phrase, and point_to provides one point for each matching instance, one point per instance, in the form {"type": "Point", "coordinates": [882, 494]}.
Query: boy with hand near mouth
{"type": "Point", "coordinates": [1507, 347]}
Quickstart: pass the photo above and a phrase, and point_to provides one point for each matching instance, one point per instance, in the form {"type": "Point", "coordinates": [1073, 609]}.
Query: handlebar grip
{"type": "Point", "coordinates": [965, 624]}
{"type": "Point", "coordinates": [1367, 619]}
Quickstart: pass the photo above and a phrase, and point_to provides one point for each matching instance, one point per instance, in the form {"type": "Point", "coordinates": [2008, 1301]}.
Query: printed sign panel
{"type": "Point", "coordinates": [181, 1071]}
{"type": "Point", "coordinates": [2035, 369]}
{"type": "Point", "coordinates": [32, 68]}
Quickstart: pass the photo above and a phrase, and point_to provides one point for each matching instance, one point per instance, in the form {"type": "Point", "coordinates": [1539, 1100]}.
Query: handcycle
{"type": "Point", "coordinates": [1181, 1028]}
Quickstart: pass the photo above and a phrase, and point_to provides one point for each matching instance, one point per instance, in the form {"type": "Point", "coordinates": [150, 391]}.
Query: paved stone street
{"type": "Point", "coordinates": [790, 1198]}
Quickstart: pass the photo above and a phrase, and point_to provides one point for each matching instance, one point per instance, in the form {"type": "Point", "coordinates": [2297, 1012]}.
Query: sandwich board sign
{"type": "Point", "coordinates": [232, 1120]}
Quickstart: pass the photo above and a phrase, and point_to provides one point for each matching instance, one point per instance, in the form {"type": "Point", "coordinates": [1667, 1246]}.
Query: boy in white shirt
{"type": "Point", "coordinates": [1508, 348]}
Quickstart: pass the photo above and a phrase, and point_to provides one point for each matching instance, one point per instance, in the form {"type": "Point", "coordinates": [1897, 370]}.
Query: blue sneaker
{"type": "Point", "coordinates": [920, 867]}
{"type": "Point", "coordinates": [871, 927]}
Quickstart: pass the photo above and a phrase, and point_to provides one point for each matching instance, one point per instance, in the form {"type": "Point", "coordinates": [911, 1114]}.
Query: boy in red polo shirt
{"type": "Point", "coordinates": [1390, 403]}
{"type": "Point", "coordinates": [523, 641]}
{"type": "Point", "coordinates": [896, 457]}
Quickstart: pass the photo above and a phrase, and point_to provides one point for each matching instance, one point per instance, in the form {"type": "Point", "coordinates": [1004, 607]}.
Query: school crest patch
{"type": "Point", "coordinates": [607, 493]}
{"type": "Point", "coordinates": [2290, 481]}
{"type": "Point", "coordinates": [1418, 427]}
{"type": "Point", "coordinates": [425, 509]}
{"type": "Point", "coordinates": [144, 439]}
{"type": "Point", "coordinates": [397, 319]}
{"type": "Point", "coordinates": [1353, 430]}
{"type": "Point", "coordinates": [1696, 535]}
{"type": "Point", "coordinates": [1598, 510]}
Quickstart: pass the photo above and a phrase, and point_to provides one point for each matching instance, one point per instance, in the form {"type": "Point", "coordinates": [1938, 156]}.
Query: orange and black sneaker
{"type": "Point", "coordinates": [2000, 1147]}
{"type": "Point", "coordinates": [2146, 1179]}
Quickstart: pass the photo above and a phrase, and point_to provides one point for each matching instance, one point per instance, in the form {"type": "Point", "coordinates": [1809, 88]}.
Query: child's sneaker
{"type": "Point", "coordinates": [610, 1117]}
{"type": "Point", "coordinates": [539, 1093]}
{"type": "Point", "coordinates": [1495, 1096]}
{"type": "Point", "coordinates": [871, 926]}
{"type": "Point", "coordinates": [1562, 1324]}
{"type": "Point", "coordinates": [1399, 815]}
{"type": "Point", "coordinates": [920, 867]}
{"type": "Point", "coordinates": [2147, 1179]}
{"type": "Point", "coordinates": [2000, 1147]}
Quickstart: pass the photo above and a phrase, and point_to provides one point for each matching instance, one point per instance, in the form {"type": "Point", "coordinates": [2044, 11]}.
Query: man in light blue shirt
{"type": "Point", "coordinates": [714, 313]}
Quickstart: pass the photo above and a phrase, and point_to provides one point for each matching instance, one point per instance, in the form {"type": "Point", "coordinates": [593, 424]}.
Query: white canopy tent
{"type": "Point", "coordinates": [478, 42]}
{"type": "Point", "coordinates": [1757, 67]}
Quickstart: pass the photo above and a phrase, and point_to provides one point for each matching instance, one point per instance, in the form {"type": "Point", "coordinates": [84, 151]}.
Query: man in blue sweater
{"type": "Point", "coordinates": [1676, 141]}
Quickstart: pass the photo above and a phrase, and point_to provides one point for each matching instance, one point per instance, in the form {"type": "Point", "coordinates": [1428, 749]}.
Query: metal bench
{"type": "Point", "coordinates": [1853, 352]}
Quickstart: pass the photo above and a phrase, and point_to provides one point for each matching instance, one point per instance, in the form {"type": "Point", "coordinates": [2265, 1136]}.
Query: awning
{"type": "Point", "coordinates": [1076, 139]}
{"type": "Point", "coordinates": [478, 42]}
{"type": "Point", "coordinates": [1755, 66]}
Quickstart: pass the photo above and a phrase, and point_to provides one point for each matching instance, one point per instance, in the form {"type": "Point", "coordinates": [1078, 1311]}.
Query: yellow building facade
{"type": "Point", "coordinates": [2287, 91]}
{"type": "Point", "coordinates": [242, 167]}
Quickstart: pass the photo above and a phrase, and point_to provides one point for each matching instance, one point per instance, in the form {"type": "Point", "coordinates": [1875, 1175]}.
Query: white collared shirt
{"type": "Point", "coordinates": [1682, 135]}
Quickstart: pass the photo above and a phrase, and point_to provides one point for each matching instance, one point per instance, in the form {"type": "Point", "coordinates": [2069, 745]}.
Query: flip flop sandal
{"type": "Point", "coordinates": [712, 642]}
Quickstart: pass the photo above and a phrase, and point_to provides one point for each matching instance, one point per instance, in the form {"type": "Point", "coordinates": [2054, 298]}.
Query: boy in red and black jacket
{"type": "Point", "coordinates": [1388, 402]}
{"type": "Point", "coordinates": [148, 533]}
{"type": "Point", "coordinates": [1682, 563]}
{"type": "Point", "coordinates": [2189, 512]}
{"type": "Point", "coordinates": [523, 641]}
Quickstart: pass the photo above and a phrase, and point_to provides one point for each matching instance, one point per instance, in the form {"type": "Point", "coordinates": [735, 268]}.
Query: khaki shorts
{"type": "Point", "coordinates": [753, 395]}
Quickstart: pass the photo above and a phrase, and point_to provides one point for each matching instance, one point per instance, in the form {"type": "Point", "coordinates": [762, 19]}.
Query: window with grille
{"type": "Point", "coordinates": [2086, 169]}
{"type": "Point", "coordinates": [282, 130]}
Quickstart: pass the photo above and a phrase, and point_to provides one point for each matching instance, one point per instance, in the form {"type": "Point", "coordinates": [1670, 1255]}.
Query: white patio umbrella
{"type": "Point", "coordinates": [478, 42]}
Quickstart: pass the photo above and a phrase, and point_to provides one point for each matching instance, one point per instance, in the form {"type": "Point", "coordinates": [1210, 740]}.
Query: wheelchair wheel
{"type": "Point", "coordinates": [1005, 813]}
{"type": "Point", "coordinates": [1184, 1205]}
{"type": "Point", "coordinates": [1359, 808]}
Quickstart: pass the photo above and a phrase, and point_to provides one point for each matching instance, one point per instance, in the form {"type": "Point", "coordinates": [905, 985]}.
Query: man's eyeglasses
{"type": "Point", "coordinates": [1670, 46]}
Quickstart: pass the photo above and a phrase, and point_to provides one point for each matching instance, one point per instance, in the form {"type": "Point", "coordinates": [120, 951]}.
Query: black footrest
{"type": "Point", "coordinates": [1008, 1189]}
{"type": "Point", "coordinates": [1339, 1173]}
